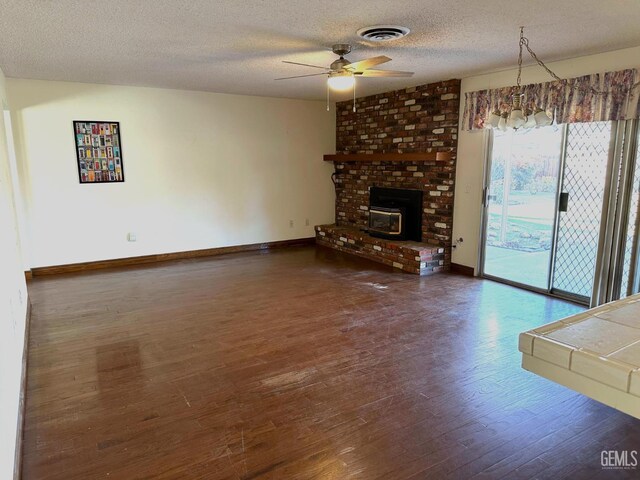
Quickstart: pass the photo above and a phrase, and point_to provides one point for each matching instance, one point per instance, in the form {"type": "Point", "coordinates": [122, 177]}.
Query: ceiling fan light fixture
{"type": "Point", "coordinates": [341, 74]}
{"type": "Point", "coordinates": [341, 82]}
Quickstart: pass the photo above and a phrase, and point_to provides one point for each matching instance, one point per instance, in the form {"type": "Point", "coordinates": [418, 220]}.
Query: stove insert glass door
{"type": "Point", "coordinates": [385, 220]}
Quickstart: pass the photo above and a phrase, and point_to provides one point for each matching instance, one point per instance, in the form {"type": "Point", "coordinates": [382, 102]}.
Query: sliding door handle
{"type": "Point", "coordinates": [564, 201]}
{"type": "Point", "coordinates": [487, 197]}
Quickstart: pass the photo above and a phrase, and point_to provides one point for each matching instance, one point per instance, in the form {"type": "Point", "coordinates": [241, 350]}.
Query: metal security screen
{"type": "Point", "coordinates": [586, 158]}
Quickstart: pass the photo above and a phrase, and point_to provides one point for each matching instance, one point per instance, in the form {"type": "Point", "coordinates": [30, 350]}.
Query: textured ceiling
{"type": "Point", "coordinates": [236, 46]}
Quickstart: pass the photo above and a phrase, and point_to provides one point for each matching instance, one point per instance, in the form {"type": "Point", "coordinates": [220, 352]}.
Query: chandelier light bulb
{"type": "Point", "coordinates": [502, 124]}
{"type": "Point", "coordinates": [531, 120]}
{"type": "Point", "coordinates": [542, 119]}
{"type": "Point", "coordinates": [494, 119]}
{"type": "Point", "coordinates": [517, 118]}
{"type": "Point", "coordinates": [342, 82]}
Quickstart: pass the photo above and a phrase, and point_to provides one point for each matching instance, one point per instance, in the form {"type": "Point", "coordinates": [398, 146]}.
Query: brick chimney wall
{"type": "Point", "coordinates": [411, 120]}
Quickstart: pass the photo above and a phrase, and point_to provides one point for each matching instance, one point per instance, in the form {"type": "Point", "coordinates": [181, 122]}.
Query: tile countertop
{"type": "Point", "coordinates": [602, 344]}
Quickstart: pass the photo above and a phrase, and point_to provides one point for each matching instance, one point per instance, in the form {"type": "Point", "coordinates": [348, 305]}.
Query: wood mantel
{"type": "Point", "coordinates": [389, 157]}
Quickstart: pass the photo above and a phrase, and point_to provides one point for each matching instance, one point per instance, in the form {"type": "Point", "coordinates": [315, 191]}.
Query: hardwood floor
{"type": "Point", "coordinates": [299, 364]}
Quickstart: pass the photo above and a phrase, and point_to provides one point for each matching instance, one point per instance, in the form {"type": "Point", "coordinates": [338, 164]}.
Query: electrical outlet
{"type": "Point", "coordinates": [306, 222]}
{"type": "Point", "coordinates": [131, 237]}
{"type": "Point", "coordinates": [290, 223]}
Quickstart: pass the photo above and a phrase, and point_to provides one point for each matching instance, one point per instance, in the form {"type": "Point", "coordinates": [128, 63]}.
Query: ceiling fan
{"type": "Point", "coordinates": [341, 74]}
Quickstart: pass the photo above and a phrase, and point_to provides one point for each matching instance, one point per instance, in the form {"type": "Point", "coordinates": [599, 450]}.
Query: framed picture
{"type": "Point", "coordinates": [98, 151]}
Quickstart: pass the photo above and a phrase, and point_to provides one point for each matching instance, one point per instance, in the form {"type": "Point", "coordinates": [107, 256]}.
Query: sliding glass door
{"type": "Point", "coordinates": [521, 205]}
{"type": "Point", "coordinates": [626, 278]}
{"type": "Point", "coordinates": [561, 210]}
{"type": "Point", "coordinates": [630, 271]}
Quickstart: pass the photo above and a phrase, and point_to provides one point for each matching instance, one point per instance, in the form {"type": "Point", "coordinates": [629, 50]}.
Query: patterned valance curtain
{"type": "Point", "coordinates": [568, 101]}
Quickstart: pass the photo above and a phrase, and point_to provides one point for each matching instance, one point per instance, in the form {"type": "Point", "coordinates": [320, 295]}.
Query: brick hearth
{"type": "Point", "coordinates": [412, 257]}
{"type": "Point", "coordinates": [414, 120]}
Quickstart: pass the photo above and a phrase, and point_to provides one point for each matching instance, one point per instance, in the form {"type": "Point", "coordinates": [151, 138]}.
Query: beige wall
{"type": "Point", "coordinates": [471, 145]}
{"type": "Point", "coordinates": [202, 170]}
{"type": "Point", "coordinates": [13, 305]}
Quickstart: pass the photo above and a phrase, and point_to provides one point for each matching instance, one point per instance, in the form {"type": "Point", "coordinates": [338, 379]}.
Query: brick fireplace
{"type": "Point", "coordinates": [391, 141]}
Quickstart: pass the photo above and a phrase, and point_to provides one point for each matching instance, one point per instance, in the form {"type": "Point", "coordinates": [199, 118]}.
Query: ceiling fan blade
{"type": "Point", "coordinates": [367, 63]}
{"type": "Point", "coordinates": [300, 76]}
{"type": "Point", "coordinates": [305, 65]}
{"type": "Point", "coordinates": [383, 73]}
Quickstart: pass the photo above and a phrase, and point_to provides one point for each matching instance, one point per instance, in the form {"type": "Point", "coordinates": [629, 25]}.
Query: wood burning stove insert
{"type": "Point", "coordinates": [395, 213]}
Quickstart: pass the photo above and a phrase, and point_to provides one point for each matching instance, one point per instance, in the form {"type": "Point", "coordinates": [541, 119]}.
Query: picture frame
{"type": "Point", "coordinates": [98, 146]}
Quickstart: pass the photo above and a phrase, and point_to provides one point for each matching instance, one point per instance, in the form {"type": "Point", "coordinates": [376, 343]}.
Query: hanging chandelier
{"type": "Point", "coordinates": [517, 116]}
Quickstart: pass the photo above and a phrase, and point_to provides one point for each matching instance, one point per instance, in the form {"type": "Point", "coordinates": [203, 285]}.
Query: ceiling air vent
{"type": "Point", "coordinates": [383, 33]}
